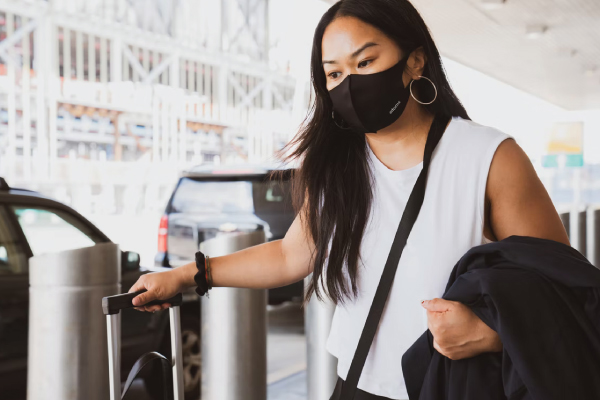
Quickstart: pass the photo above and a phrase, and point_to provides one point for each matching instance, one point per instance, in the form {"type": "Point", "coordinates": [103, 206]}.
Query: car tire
{"type": "Point", "coordinates": [191, 350]}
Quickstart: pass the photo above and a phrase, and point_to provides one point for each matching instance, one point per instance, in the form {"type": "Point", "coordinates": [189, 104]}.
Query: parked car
{"type": "Point", "coordinates": [211, 201]}
{"type": "Point", "coordinates": [32, 224]}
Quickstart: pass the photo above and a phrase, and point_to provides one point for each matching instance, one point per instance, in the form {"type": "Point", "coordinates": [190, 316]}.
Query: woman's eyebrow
{"type": "Point", "coordinates": [354, 54]}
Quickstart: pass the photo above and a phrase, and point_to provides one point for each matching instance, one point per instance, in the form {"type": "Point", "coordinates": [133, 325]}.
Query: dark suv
{"type": "Point", "coordinates": [32, 224]}
{"type": "Point", "coordinates": [210, 201]}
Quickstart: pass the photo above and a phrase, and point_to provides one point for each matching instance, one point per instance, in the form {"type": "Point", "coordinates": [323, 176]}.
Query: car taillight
{"type": "Point", "coordinates": [162, 234]}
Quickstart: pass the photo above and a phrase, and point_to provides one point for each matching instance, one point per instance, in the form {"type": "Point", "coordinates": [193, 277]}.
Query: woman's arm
{"type": "Point", "coordinates": [516, 204]}
{"type": "Point", "coordinates": [517, 200]}
{"type": "Point", "coordinates": [264, 266]}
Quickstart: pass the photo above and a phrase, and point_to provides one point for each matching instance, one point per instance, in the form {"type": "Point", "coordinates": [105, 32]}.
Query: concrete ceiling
{"type": "Point", "coordinates": [561, 65]}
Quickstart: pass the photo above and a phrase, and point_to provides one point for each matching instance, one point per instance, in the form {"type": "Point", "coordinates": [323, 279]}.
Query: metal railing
{"type": "Point", "coordinates": [583, 227]}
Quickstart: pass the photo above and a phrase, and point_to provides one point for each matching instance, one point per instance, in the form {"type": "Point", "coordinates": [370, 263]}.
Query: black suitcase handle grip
{"type": "Point", "coordinates": [114, 304]}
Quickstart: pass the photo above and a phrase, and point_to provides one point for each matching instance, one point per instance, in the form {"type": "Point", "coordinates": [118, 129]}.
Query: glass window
{"type": "Point", "coordinates": [49, 231]}
{"type": "Point", "coordinates": [272, 197]}
{"type": "Point", "coordinates": [269, 199]}
{"type": "Point", "coordinates": [273, 204]}
{"type": "Point", "coordinates": [13, 259]}
{"type": "Point", "coordinates": [213, 197]}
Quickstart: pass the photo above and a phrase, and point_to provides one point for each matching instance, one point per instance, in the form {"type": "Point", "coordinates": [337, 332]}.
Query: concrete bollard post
{"type": "Point", "coordinates": [67, 357]}
{"type": "Point", "coordinates": [234, 331]}
{"type": "Point", "coordinates": [321, 366]}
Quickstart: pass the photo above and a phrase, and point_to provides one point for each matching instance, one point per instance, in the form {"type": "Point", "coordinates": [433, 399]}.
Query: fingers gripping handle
{"type": "Point", "coordinates": [114, 304]}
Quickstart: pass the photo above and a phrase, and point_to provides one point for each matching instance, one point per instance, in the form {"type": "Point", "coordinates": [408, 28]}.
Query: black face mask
{"type": "Point", "coordinates": [371, 102]}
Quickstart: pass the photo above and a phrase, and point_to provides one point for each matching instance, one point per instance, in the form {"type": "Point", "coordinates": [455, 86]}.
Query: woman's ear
{"type": "Point", "coordinates": [416, 63]}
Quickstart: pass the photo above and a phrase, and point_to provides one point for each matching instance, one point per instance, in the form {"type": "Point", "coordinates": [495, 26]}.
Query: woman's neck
{"type": "Point", "coordinates": [402, 145]}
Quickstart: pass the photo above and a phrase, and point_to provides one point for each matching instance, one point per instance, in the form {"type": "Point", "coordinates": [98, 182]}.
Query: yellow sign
{"type": "Point", "coordinates": [566, 138]}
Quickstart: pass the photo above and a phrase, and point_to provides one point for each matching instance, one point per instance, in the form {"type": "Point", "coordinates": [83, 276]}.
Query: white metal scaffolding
{"type": "Point", "coordinates": [127, 80]}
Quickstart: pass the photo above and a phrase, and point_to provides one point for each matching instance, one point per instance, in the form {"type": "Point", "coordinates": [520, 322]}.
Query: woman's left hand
{"type": "Point", "coordinates": [457, 332]}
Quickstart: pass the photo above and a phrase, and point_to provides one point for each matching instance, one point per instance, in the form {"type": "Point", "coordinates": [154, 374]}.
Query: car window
{"type": "Point", "coordinates": [212, 197]}
{"type": "Point", "coordinates": [50, 231]}
{"type": "Point", "coordinates": [13, 259]}
{"type": "Point", "coordinates": [272, 197]}
{"type": "Point", "coordinates": [273, 204]}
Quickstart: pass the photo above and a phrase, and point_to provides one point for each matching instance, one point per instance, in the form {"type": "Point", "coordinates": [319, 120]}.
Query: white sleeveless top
{"type": "Point", "coordinates": [450, 223]}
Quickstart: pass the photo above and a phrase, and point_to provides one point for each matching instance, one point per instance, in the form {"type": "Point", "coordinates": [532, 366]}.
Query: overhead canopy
{"type": "Point", "coordinates": [550, 49]}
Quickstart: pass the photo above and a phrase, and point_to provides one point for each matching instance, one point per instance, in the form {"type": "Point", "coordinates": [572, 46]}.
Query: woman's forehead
{"type": "Point", "coordinates": [344, 35]}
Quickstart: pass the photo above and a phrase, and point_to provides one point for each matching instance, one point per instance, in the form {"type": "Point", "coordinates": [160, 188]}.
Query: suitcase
{"type": "Point", "coordinates": [172, 369]}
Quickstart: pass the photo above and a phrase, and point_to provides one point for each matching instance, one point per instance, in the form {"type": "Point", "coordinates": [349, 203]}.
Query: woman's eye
{"type": "Point", "coordinates": [336, 74]}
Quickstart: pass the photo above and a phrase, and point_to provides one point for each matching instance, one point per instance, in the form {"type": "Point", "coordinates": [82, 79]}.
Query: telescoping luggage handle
{"type": "Point", "coordinates": [111, 306]}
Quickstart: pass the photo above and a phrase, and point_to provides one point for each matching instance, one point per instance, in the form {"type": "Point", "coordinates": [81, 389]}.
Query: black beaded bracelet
{"type": "Point", "coordinates": [200, 277]}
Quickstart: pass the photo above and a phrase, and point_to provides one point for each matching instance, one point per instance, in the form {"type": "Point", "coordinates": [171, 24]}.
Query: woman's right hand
{"type": "Point", "coordinates": [159, 286]}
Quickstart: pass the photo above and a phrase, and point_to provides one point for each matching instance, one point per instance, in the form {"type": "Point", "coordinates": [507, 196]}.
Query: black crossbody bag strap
{"type": "Point", "coordinates": [409, 216]}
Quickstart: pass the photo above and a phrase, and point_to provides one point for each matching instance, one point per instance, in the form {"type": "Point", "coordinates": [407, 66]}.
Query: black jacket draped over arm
{"type": "Point", "coordinates": [542, 297]}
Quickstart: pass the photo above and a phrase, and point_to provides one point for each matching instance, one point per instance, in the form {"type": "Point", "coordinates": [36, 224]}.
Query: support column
{"type": "Point", "coordinates": [54, 86]}
{"type": "Point", "coordinates": [164, 127]}
{"type": "Point", "coordinates": [182, 131]}
{"type": "Point", "coordinates": [155, 126]}
{"type": "Point", "coordinates": [173, 131]}
{"type": "Point", "coordinates": [11, 150]}
{"type": "Point", "coordinates": [26, 102]}
{"type": "Point", "coordinates": [267, 136]}
{"type": "Point", "coordinates": [41, 66]}
{"type": "Point", "coordinates": [116, 59]}
{"type": "Point", "coordinates": [118, 154]}
{"type": "Point", "coordinates": [175, 83]}
{"type": "Point", "coordinates": [223, 93]}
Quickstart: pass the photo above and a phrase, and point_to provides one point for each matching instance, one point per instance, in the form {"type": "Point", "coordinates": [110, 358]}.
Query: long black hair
{"type": "Point", "coordinates": [334, 181]}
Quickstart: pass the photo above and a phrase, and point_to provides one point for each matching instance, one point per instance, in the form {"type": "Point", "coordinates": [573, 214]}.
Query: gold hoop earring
{"type": "Point", "coordinates": [335, 122]}
{"type": "Point", "coordinates": [434, 88]}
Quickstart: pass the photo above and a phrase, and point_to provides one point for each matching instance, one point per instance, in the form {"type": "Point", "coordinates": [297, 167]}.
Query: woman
{"type": "Point", "coordinates": [360, 162]}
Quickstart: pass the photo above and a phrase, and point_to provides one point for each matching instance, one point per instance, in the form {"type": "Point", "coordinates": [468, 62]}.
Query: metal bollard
{"type": "Point", "coordinates": [566, 219]}
{"type": "Point", "coordinates": [577, 229]}
{"type": "Point", "coordinates": [321, 366]}
{"type": "Point", "coordinates": [234, 331]}
{"type": "Point", "coordinates": [593, 235]}
{"type": "Point", "coordinates": [67, 357]}
{"type": "Point", "coordinates": [582, 227]}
